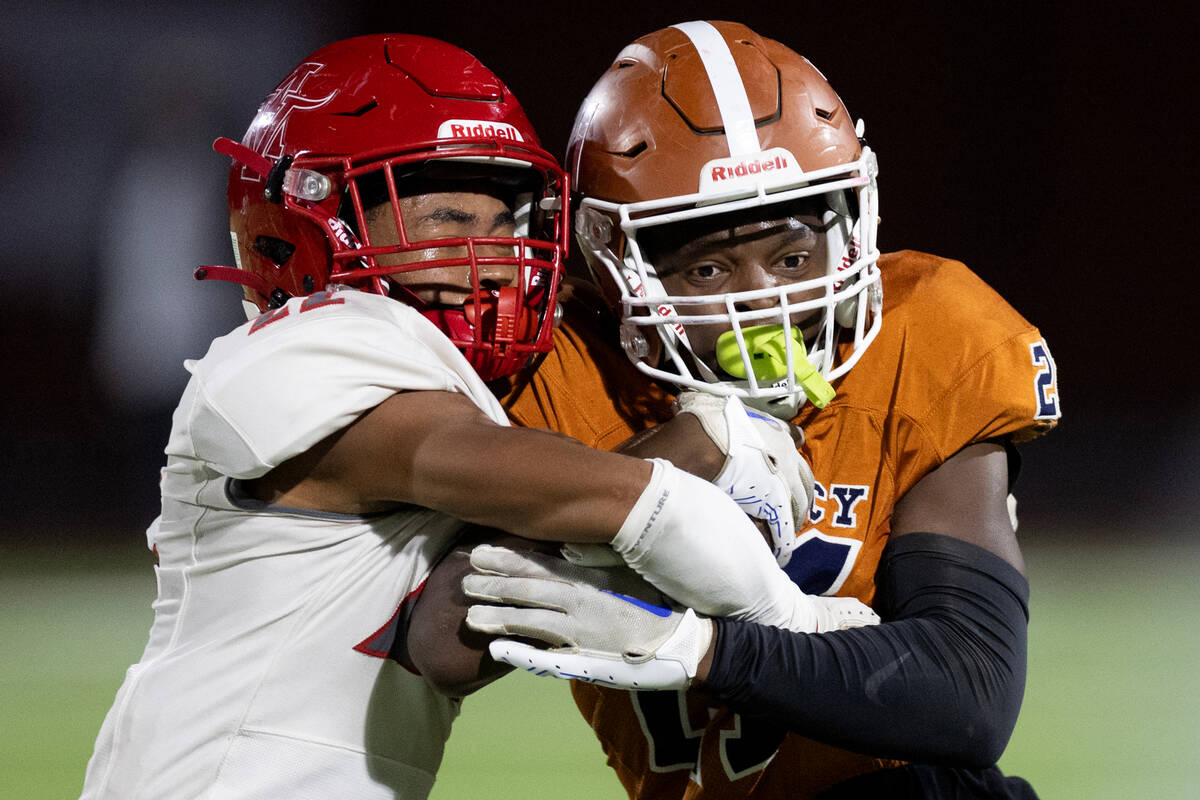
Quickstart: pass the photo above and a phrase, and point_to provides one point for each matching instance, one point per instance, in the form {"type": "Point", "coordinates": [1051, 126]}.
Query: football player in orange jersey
{"type": "Point", "coordinates": [728, 211]}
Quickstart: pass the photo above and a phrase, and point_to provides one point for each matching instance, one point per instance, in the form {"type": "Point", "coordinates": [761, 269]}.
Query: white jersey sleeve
{"type": "Point", "coordinates": [279, 384]}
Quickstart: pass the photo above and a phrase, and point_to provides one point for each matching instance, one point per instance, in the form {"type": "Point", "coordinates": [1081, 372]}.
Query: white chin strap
{"type": "Point", "coordinates": [783, 408]}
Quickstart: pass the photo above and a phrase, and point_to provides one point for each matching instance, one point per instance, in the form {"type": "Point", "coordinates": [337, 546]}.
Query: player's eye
{"type": "Point", "coordinates": [796, 266]}
{"type": "Point", "coordinates": [704, 273]}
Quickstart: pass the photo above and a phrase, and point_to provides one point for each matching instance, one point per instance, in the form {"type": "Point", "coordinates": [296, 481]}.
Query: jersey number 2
{"type": "Point", "coordinates": [1045, 382]}
{"type": "Point", "coordinates": [316, 300]}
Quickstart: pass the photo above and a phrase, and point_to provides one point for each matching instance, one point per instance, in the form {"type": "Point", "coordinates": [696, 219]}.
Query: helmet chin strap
{"type": "Point", "coordinates": [784, 407]}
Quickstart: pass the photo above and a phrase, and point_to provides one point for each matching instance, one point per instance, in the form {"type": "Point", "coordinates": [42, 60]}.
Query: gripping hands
{"type": "Point", "coordinates": [601, 624]}
{"type": "Point", "coordinates": [763, 471]}
{"type": "Point", "coordinates": [604, 625]}
{"type": "Point", "coordinates": [687, 541]}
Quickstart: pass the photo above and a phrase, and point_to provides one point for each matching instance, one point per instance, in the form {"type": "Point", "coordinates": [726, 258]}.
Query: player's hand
{"type": "Point", "coordinates": [602, 625]}
{"type": "Point", "coordinates": [689, 539]}
{"type": "Point", "coordinates": [833, 614]}
{"type": "Point", "coordinates": [764, 472]}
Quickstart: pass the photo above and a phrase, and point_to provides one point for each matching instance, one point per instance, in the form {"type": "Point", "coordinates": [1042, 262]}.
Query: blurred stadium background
{"type": "Point", "coordinates": [1041, 144]}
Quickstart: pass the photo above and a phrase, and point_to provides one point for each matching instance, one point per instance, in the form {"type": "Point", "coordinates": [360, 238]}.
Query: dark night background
{"type": "Point", "coordinates": [1048, 146]}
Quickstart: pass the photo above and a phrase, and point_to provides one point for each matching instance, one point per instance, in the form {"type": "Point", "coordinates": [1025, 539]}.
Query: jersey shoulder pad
{"type": "Point", "coordinates": [278, 384]}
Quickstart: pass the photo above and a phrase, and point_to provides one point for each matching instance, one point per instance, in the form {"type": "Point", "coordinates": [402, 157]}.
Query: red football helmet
{"type": "Point", "coordinates": [703, 119]}
{"type": "Point", "coordinates": [348, 127]}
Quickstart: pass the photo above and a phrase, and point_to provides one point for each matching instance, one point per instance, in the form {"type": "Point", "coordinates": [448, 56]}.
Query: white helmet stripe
{"type": "Point", "coordinates": [727, 85]}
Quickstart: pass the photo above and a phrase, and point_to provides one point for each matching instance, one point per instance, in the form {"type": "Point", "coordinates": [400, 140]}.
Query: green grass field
{"type": "Point", "coordinates": [1112, 706]}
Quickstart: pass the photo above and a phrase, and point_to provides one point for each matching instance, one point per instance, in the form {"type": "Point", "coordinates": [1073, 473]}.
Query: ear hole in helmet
{"type": "Point", "coordinates": [636, 150]}
{"type": "Point", "coordinates": [277, 251]}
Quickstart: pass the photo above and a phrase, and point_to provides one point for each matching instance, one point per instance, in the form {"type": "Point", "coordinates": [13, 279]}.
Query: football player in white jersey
{"type": "Point", "coordinates": [400, 235]}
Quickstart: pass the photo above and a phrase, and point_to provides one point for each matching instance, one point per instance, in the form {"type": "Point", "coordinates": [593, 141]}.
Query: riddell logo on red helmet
{"type": "Point", "coordinates": [474, 128]}
{"type": "Point", "coordinates": [772, 166]}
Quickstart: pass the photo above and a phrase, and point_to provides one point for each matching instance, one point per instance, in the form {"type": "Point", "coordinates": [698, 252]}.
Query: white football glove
{"type": "Point", "coordinates": [690, 540]}
{"type": "Point", "coordinates": [764, 472]}
{"type": "Point", "coordinates": [603, 625]}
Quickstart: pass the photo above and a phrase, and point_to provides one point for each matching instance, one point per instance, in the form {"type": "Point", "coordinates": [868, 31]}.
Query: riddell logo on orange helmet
{"type": "Point", "coordinates": [775, 166]}
{"type": "Point", "coordinates": [748, 167]}
{"type": "Point", "coordinates": [472, 128]}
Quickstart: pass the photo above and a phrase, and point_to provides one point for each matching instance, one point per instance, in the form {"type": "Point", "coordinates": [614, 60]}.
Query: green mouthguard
{"type": "Point", "coordinates": [767, 346]}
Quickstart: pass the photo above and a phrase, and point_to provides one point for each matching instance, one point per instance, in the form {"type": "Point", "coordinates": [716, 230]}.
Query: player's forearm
{"type": "Point", "coordinates": [438, 450]}
{"type": "Point", "coordinates": [532, 483]}
{"type": "Point", "coordinates": [584, 490]}
{"type": "Point", "coordinates": [942, 680]}
{"type": "Point", "coordinates": [682, 441]}
{"type": "Point", "coordinates": [451, 657]}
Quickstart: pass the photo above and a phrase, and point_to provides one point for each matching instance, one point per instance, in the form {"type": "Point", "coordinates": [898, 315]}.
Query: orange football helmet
{"type": "Point", "coordinates": [703, 119]}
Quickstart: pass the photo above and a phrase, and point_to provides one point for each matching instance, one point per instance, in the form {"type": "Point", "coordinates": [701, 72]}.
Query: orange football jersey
{"type": "Point", "coordinates": [953, 365]}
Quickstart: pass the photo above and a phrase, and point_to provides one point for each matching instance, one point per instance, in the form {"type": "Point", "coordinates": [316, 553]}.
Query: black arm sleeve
{"type": "Point", "coordinates": [940, 680]}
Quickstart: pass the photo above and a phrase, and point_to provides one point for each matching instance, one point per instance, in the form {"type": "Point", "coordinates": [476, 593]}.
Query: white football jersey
{"type": "Point", "coordinates": [264, 676]}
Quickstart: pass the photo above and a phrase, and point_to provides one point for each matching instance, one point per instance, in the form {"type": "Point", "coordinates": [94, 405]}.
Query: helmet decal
{"type": "Point", "coordinates": [727, 86]}
{"type": "Point", "coordinates": [266, 132]}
